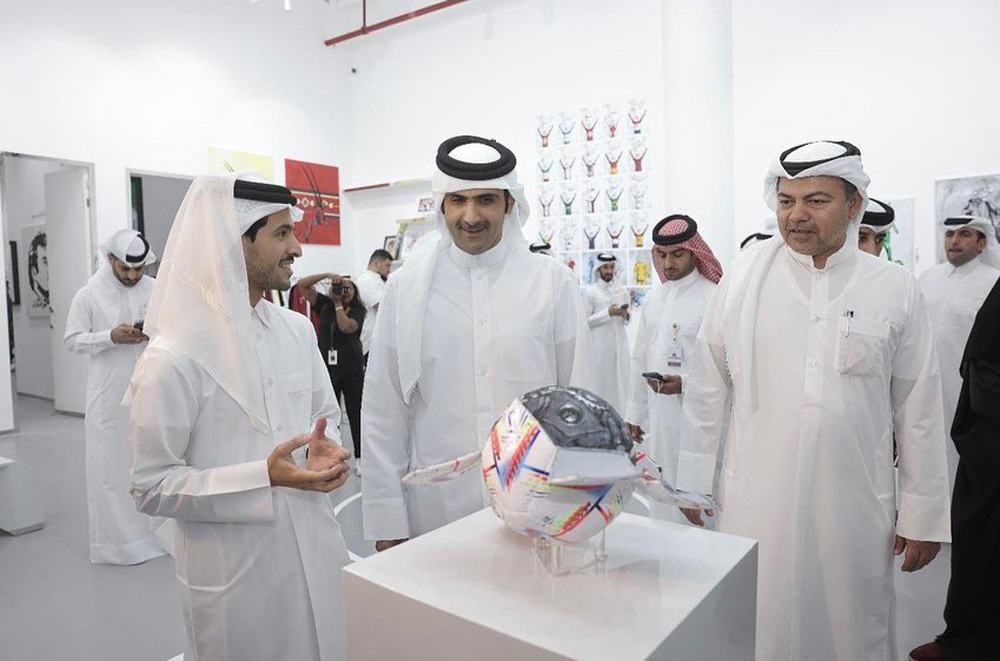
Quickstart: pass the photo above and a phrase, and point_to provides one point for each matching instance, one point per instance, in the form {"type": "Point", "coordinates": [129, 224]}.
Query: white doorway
{"type": "Point", "coordinates": [154, 198]}
{"type": "Point", "coordinates": [47, 206]}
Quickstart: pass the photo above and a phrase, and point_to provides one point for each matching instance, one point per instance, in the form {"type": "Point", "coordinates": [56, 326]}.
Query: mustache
{"type": "Point", "coordinates": [473, 227]}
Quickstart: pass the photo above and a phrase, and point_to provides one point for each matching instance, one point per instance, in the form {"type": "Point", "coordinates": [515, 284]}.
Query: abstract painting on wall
{"type": "Point", "coordinates": [966, 196]}
{"type": "Point", "coordinates": [317, 192]}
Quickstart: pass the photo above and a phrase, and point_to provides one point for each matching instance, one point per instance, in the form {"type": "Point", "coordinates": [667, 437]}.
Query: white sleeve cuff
{"type": "Point", "coordinates": [385, 518]}
{"type": "Point", "coordinates": [924, 519]}
{"type": "Point", "coordinates": [244, 493]}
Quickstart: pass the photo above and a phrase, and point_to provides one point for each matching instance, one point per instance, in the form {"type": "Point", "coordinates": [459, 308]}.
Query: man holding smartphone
{"type": "Point", "coordinates": [105, 322]}
{"type": "Point", "coordinates": [607, 314]}
{"type": "Point", "coordinates": [668, 327]}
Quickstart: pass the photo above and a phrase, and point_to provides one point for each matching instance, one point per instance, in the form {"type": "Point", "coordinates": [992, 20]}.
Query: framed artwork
{"type": "Point", "coordinates": [391, 245]}
{"type": "Point", "coordinates": [224, 161]}
{"type": "Point", "coordinates": [35, 241]}
{"type": "Point", "coordinates": [317, 192]}
{"type": "Point", "coordinates": [966, 196]}
{"type": "Point", "coordinates": [13, 276]}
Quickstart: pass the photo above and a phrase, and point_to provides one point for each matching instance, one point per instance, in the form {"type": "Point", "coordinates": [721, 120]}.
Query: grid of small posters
{"type": "Point", "coordinates": [592, 172]}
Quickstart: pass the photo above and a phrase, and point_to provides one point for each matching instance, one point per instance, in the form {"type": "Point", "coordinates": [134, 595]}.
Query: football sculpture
{"type": "Point", "coordinates": [559, 463]}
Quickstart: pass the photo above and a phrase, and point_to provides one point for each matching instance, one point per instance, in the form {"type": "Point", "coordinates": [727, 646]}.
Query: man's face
{"type": "Point", "coordinates": [269, 257]}
{"type": "Point", "coordinates": [382, 267]}
{"type": "Point", "coordinates": [606, 272]}
{"type": "Point", "coordinates": [129, 276]}
{"type": "Point", "coordinates": [42, 273]}
{"type": "Point", "coordinates": [813, 214]}
{"type": "Point", "coordinates": [475, 218]}
{"type": "Point", "coordinates": [962, 245]}
{"type": "Point", "coordinates": [677, 262]}
{"type": "Point", "coordinates": [870, 242]}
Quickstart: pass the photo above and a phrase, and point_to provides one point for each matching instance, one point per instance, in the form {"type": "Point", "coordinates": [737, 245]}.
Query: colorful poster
{"type": "Point", "coordinates": [224, 161]}
{"type": "Point", "coordinates": [317, 189]}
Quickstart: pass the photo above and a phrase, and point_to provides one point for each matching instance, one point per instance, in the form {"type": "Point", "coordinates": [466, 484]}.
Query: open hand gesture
{"type": "Point", "coordinates": [325, 470]}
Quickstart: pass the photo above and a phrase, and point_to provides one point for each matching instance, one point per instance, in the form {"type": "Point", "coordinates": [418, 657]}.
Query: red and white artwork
{"type": "Point", "coordinates": [317, 192]}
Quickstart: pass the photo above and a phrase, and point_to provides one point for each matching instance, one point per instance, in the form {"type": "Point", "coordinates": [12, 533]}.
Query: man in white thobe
{"type": "Point", "coordinates": [607, 313]}
{"type": "Point", "coordinates": [371, 289]}
{"type": "Point", "coordinates": [826, 351]}
{"type": "Point", "coordinates": [954, 290]}
{"type": "Point", "coordinates": [105, 322]}
{"type": "Point", "coordinates": [471, 321]}
{"type": "Point", "coordinates": [222, 403]}
{"type": "Point", "coordinates": [876, 223]}
{"type": "Point", "coordinates": [669, 323]}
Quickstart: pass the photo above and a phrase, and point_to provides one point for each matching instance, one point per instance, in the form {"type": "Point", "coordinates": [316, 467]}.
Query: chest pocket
{"type": "Point", "coordinates": [524, 352]}
{"type": "Point", "coordinates": [862, 346]}
{"type": "Point", "coordinates": [299, 394]}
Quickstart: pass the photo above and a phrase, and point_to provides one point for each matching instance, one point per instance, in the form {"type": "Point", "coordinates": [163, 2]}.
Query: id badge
{"type": "Point", "coordinates": [331, 357]}
{"type": "Point", "coordinates": [675, 358]}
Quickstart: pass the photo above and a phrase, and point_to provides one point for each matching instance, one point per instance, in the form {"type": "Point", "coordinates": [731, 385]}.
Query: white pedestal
{"type": "Point", "coordinates": [21, 508]}
{"type": "Point", "coordinates": [475, 590]}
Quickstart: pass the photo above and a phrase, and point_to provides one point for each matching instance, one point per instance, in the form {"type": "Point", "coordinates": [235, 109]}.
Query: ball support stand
{"type": "Point", "coordinates": [562, 558]}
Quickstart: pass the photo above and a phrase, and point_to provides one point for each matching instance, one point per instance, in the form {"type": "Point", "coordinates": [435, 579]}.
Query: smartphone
{"type": "Point", "coordinates": [653, 375]}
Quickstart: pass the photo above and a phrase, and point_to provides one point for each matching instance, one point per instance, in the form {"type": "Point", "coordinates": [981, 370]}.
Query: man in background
{"type": "Point", "coordinates": [105, 322]}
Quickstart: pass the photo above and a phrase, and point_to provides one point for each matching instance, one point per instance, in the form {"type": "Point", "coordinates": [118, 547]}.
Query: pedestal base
{"type": "Point", "coordinates": [475, 590]}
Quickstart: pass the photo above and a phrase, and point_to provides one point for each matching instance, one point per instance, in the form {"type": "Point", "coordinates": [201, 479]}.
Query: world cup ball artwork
{"type": "Point", "coordinates": [559, 463]}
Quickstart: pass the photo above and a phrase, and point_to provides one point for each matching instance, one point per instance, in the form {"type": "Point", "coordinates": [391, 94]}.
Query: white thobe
{"type": "Point", "coordinates": [258, 566]}
{"type": "Point", "coordinates": [954, 296]}
{"type": "Point", "coordinates": [609, 340]}
{"type": "Point", "coordinates": [664, 343]}
{"type": "Point", "coordinates": [496, 326]}
{"type": "Point", "coordinates": [844, 356]}
{"type": "Point", "coordinates": [371, 289]}
{"type": "Point", "coordinates": [118, 534]}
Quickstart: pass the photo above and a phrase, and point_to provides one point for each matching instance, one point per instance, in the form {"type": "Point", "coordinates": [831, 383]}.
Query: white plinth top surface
{"type": "Point", "coordinates": [478, 570]}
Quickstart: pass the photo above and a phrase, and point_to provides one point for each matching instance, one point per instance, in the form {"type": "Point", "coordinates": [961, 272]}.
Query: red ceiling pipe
{"type": "Point", "coordinates": [368, 29]}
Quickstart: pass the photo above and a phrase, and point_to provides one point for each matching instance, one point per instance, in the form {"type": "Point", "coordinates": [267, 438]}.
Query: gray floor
{"type": "Point", "coordinates": [54, 604]}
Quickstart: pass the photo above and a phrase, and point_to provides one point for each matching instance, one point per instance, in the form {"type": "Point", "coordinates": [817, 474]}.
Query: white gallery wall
{"type": "Point", "coordinates": [488, 67]}
{"type": "Point", "coordinates": [150, 85]}
{"type": "Point", "coordinates": [911, 82]}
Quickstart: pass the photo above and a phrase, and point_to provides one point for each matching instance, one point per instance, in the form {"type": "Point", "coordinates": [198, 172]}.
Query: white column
{"type": "Point", "coordinates": [698, 117]}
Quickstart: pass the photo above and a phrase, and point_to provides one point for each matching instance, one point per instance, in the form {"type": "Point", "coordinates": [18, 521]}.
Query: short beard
{"type": "Point", "coordinates": [263, 278]}
{"type": "Point", "coordinates": [125, 283]}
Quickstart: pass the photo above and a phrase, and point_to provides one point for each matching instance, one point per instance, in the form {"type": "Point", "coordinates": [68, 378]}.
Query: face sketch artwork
{"type": "Point", "coordinates": [38, 274]}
